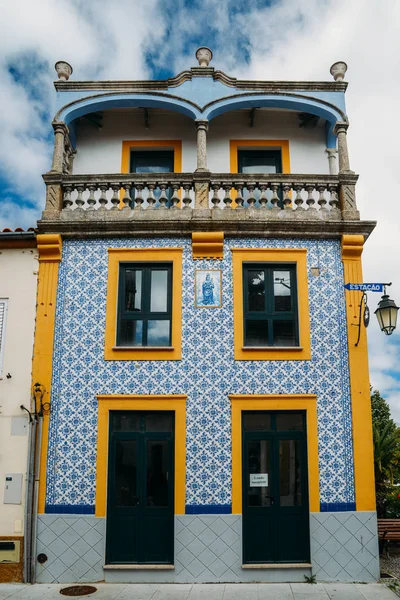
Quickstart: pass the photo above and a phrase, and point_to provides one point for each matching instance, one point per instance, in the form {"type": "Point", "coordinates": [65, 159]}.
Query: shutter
{"type": "Point", "coordinates": [3, 308]}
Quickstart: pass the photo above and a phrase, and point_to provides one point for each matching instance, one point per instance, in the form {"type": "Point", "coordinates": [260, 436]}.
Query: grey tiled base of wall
{"type": "Point", "coordinates": [208, 548]}
{"type": "Point", "coordinates": [74, 546]}
{"type": "Point", "coordinates": [344, 546]}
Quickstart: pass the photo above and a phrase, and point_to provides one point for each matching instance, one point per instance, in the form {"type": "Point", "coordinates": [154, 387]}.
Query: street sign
{"type": "Point", "coordinates": [365, 287]}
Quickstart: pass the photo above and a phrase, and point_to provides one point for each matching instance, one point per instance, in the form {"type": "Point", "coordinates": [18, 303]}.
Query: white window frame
{"type": "Point", "coordinates": [4, 302]}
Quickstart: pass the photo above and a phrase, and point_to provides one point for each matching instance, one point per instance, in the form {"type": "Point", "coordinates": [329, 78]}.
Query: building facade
{"type": "Point", "coordinates": [209, 411]}
{"type": "Point", "coordinates": [18, 280]}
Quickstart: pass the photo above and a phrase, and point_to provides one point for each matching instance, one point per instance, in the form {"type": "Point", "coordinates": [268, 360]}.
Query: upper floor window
{"type": "Point", "coordinates": [270, 305]}
{"type": "Point", "coordinates": [153, 161]}
{"type": "Point", "coordinates": [144, 304]}
{"type": "Point", "coordinates": [259, 161]}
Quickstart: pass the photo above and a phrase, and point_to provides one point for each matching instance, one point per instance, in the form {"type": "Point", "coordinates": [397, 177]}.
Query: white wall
{"type": "Point", "coordinates": [18, 280]}
{"type": "Point", "coordinates": [100, 150]}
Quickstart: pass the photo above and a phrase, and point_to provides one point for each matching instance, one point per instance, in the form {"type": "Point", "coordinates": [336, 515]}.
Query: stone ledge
{"type": "Point", "coordinates": [184, 223]}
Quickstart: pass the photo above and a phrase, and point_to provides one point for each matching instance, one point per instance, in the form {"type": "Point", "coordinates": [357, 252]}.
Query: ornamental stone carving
{"type": "Point", "coordinates": [204, 55]}
{"type": "Point", "coordinates": [338, 70]}
{"type": "Point", "coordinates": [64, 70]}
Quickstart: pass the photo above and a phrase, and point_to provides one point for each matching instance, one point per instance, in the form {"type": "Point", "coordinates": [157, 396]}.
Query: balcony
{"type": "Point", "coordinates": [168, 203]}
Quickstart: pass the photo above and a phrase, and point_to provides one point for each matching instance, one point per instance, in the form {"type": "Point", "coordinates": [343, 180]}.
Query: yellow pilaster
{"type": "Point", "coordinates": [352, 247]}
{"type": "Point", "coordinates": [49, 247]}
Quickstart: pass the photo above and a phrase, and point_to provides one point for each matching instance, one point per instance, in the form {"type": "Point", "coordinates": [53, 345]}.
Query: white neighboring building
{"type": "Point", "coordinates": [18, 281]}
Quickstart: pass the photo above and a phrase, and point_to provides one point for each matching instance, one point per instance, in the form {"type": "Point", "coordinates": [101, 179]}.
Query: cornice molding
{"type": "Point", "coordinates": [49, 246]}
{"type": "Point", "coordinates": [352, 247]}
{"type": "Point", "coordinates": [208, 244]}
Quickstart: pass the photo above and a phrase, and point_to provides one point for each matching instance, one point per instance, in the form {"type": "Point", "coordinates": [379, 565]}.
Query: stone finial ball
{"type": "Point", "coordinates": [64, 70]}
{"type": "Point", "coordinates": [204, 55]}
{"type": "Point", "coordinates": [338, 70]}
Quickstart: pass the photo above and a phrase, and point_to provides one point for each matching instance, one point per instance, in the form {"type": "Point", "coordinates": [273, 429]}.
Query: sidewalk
{"type": "Point", "coordinates": [238, 591]}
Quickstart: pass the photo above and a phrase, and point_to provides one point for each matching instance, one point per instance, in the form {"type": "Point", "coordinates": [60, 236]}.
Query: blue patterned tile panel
{"type": "Point", "coordinates": [207, 372]}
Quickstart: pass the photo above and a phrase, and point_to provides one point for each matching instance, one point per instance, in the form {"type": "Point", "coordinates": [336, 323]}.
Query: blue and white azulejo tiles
{"type": "Point", "coordinates": [207, 372]}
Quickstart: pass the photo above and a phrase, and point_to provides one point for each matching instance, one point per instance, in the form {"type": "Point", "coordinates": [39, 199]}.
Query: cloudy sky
{"type": "Point", "coordinates": [260, 39]}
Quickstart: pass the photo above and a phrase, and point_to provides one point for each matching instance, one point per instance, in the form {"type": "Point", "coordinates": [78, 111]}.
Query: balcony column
{"type": "Point", "coordinates": [340, 130]}
{"type": "Point", "coordinates": [60, 132]}
{"type": "Point", "coordinates": [202, 128]}
{"type": "Point", "coordinates": [332, 159]}
{"type": "Point", "coordinates": [202, 179]}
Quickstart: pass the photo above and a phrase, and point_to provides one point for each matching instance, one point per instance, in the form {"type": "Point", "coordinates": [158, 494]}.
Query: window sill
{"type": "Point", "coordinates": [272, 353]}
{"type": "Point", "coordinates": [143, 348]}
{"type": "Point", "coordinates": [143, 353]}
{"type": "Point", "coordinates": [273, 348]}
{"type": "Point", "coordinates": [277, 566]}
{"type": "Point", "coordinates": [139, 567]}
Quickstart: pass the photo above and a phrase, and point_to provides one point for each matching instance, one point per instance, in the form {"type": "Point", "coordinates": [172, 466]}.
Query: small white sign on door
{"type": "Point", "coordinates": [259, 480]}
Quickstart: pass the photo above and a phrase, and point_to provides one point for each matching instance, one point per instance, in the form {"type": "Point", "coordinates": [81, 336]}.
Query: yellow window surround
{"type": "Point", "coordinates": [272, 255]}
{"type": "Point", "coordinates": [128, 145]}
{"type": "Point", "coordinates": [148, 255]}
{"type": "Point", "coordinates": [171, 402]}
{"type": "Point", "coordinates": [306, 402]}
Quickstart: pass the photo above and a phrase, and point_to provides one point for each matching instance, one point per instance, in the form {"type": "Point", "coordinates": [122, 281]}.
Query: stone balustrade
{"type": "Point", "coordinates": [326, 197]}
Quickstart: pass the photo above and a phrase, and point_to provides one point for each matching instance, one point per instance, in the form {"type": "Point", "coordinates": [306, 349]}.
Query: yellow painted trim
{"type": "Point", "coordinates": [128, 145]}
{"type": "Point", "coordinates": [117, 255]}
{"type": "Point", "coordinates": [274, 255]}
{"type": "Point", "coordinates": [172, 402]}
{"type": "Point", "coordinates": [208, 244]}
{"type": "Point", "coordinates": [50, 248]}
{"type": "Point", "coordinates": [364, 479]}
{"type": "Point", "coordinates": [235, 145]}
{"type": "Point", "coordinates": [307, 402]}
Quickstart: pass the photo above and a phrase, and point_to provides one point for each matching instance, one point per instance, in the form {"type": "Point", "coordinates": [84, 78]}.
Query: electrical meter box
{"type": "Point", "coordinates": [13, 488]}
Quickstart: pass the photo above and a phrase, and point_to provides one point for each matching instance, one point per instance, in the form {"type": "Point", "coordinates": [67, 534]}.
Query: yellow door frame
{"type": "Point", "coordinates": [170, 402]}
{"type": "Point", "coordinates": [307, 402]}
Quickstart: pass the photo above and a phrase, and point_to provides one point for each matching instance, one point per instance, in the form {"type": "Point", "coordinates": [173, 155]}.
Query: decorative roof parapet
{"type": "Point", "coordinates": [177, 80]}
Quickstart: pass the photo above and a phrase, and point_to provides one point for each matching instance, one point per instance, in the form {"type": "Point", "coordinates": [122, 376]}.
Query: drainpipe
{"type": "Point", "coordinates": [35, 499]}
{"type": "Point", "coordinates": [29, 501]}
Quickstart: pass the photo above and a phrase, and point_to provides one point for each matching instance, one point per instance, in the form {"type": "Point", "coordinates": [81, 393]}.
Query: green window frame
{"type": "Point", "coordinates": [144, 305]}
{"type": "Point", "coordinates": [270, 305]}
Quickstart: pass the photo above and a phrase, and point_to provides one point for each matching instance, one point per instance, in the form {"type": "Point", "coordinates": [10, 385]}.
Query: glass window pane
{"type": "Point", "coordinates": [131, 333]}
{"type": "Point", "coordinates": [157, 473]}
{"type": "Point", "coordinates": [125, 421]}
{"type": "Point", "coordinates": [158, 333]}
{"type": "Point", "coordinates": [133, 290]}
{"type": "Point", "coordinates": [290, 473]}
{"type": "Point", "coordinates": [256, 290]}
{"type": "Point", "coordinates": [258, 490]}
{"type": "Point", "coordinates": [282, 291]}
{"type": "Point", "coordinates": [157, 422]}
{"type": "Point", "coordinates": [284, 333]}
{"type": "Point", "coordinates": [256, 421]}
{"type": "Point", "coordinates": [125, 473]}
{"type": "Point", "coordinates": [159, 291]}
{"type": "Point", "coordinates": [256, 333]}
{"type": "Point", "coordinates": [289, 422]}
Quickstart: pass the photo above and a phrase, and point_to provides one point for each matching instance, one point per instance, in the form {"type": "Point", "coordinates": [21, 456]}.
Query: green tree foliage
{"type": "Point", "coordinates": [386, 436]}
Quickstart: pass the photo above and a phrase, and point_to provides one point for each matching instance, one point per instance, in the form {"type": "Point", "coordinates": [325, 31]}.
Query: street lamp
{"type": "Point", "coordinates": [386, 313]}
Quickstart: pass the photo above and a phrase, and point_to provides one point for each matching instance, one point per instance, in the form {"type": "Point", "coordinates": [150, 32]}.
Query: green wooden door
{"type": "Point", "coordinates": [140, 500]}
{"type": "Point", "coordinates": [275, 488]}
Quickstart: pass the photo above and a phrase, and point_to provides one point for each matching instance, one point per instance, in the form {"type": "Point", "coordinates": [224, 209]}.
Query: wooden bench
{"type": "Point", "coordinates": [388, 531]}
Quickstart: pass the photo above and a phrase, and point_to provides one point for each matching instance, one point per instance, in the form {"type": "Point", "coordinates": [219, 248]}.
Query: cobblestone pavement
{"type": "Point", "coordinates": [244, 591]}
